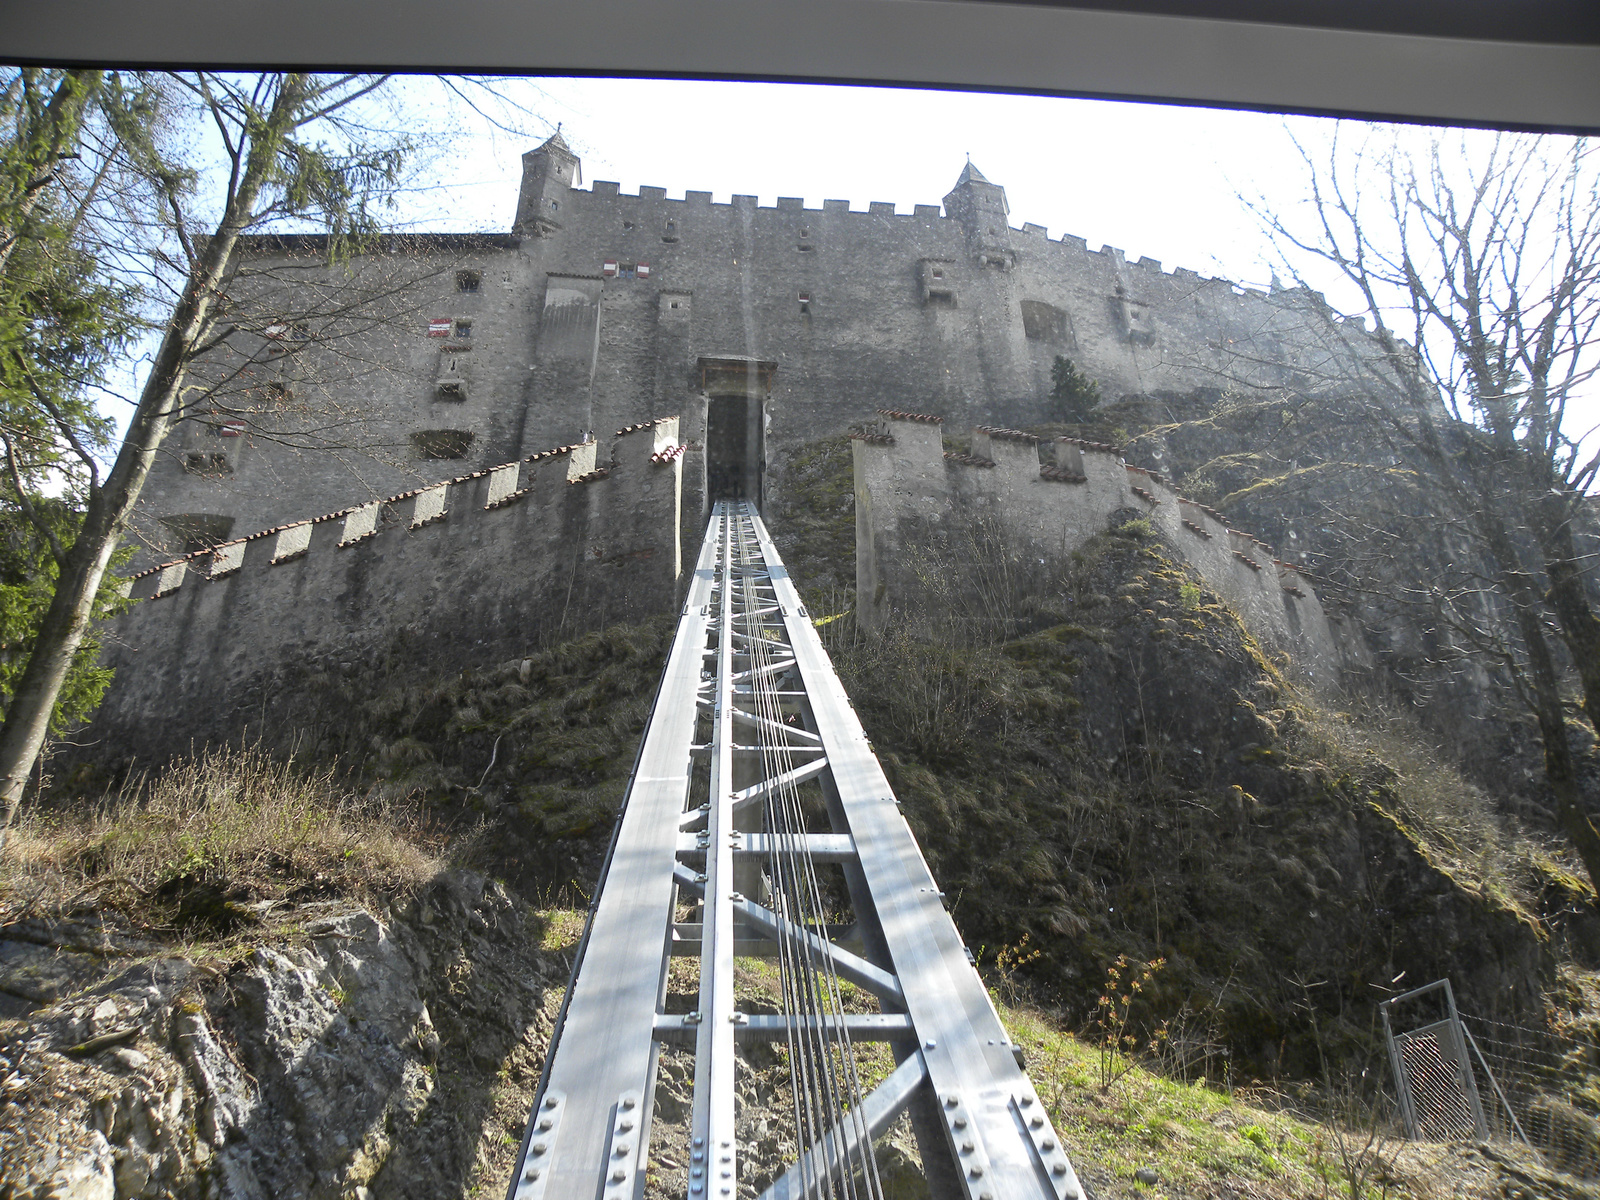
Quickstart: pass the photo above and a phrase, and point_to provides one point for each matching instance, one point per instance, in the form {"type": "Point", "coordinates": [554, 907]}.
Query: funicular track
{"type": "Point", "coordinates": [751, 747]}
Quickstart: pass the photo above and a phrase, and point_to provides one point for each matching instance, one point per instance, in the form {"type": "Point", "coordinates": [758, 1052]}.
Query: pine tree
{"type": "Point", "coordinates": [1074, 394]}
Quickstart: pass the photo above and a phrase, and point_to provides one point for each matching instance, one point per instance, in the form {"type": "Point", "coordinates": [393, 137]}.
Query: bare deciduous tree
{"type": "Point", "coordinates": [288, 146]}
{"type": "Point", "coordinates": [1477, 263]}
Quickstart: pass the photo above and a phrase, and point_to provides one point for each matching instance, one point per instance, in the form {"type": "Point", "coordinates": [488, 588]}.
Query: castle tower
{"type": "Point", "coordinates": [981, 208]}
{"type": "Point", "coordinates": [547, 176]}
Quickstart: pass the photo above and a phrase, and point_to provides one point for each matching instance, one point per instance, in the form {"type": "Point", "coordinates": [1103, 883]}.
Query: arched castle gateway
{"type": "Point", "coordinates": [438, 355]}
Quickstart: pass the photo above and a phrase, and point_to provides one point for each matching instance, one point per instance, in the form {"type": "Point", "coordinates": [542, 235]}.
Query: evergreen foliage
{"type": "Point", "coordinates": [1073, 393]}
{"type": "Point", "coordinates": [62, 324]}
{"type": "Point", "coordinates": [28, 573]}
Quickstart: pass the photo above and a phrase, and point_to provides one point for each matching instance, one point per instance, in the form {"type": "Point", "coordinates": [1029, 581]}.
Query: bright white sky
{"type": "Point", "coordinates": [1153, 180]}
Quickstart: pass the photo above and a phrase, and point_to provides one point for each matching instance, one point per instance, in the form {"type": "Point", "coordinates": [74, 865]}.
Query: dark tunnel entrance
{"type": "Point", "coordinates": [734, 449]}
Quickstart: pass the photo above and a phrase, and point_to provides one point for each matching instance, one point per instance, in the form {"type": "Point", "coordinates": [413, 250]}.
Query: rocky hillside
{"type": "Point", "coordinates": [343, 1052]}
{"type": "Point", "coordinates": [251, 979]}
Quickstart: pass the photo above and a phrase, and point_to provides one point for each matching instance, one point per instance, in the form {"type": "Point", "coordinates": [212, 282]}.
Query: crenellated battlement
{"type": "Point", "coordinates": [1030, 234]}
{"type": "Point", "coordinates": [468, 570]}
{"type": "Point", "coordinates": [911, 493]}
{"type": "Point", "coordinates": [653, 442]}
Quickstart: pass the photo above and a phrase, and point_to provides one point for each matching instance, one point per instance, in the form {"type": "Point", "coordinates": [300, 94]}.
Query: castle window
{"type": "Point", "coordinates": [442, 443]}
{"type": "Point", "coordinates": [805, 302]}
{"type": "Point", "coordinates": [451, 389]}
{"type": "Point", "coordinates": [1044, 322]}
{"type": "Point", "coordinates": [468, 281]}
{"type": "Point", "coordinates": [627, 271]}
{"type": "Point", "coordinates": [627, 224]}
{"type": "Point", "coordinates": [937, 292]}
{"type": "Point", "coordinates": [463, 330]}
{"type": "Point", "coordinates": [669, 232]}
{"type": "Point", "coordinates": [286, 336]}
{"type": "Point", "coordinates": [279, 395]}
{"type": "Point", "coordinates": [1134, 316]}
{"type": "Point", "coordinates": [207, 463]}
{"type": "Point", "coordinates": [287, 331]}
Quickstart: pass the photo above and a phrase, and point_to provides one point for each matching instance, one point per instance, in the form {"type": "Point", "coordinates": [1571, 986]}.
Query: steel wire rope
{"type": "Point", "coordinates": [794, 872]}
{"type": "Point", "coordinates": [806, 1097]}
{"type": "Point", "coordinates": [850, 1103]}
{"type": "Point", "coordinates": [808, 1048]}
{"type": "Point", "coordinates": [823, 998]}
{"type": "Point", "coordinates": [853, 1101]}
{"type": "Point", "coordinates": [817, 1094]}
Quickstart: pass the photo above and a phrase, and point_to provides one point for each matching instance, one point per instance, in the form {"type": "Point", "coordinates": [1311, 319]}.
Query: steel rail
{"type": "Point", "coordinates": [712, 820]}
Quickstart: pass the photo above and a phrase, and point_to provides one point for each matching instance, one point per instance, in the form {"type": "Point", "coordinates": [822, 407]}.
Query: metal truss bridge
{"type": "Point", "coordinates": [757, 811]}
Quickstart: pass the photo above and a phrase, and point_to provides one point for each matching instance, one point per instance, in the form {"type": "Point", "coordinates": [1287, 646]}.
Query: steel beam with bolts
{"type": "Point", "coordinates": [753, 773]}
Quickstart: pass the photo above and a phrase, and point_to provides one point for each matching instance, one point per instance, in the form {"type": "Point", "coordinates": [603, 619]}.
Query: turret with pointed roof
{"type": "Point", "coordinates": [548, 174]}
{"type": "Point", "coordinates": [971, 174]}
{"type": "Point", "coordinates": [981, 208]}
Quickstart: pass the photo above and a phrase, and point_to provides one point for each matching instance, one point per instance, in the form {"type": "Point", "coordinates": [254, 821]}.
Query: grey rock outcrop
{"type": "Point", "coordinates": [312, 1068]}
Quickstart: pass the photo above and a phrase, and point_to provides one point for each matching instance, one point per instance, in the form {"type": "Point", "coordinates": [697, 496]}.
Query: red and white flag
{"type": "Point", "coordinates": [609, 267]}
{"type": "Point", "coordinates": [644, 270]}
{"type": "Point", "coordinates": [232, 429]}
{"type": "Point", "coordinates": [439, 327]}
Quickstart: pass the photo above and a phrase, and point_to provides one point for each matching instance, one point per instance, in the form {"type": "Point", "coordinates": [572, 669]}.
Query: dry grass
{"type": "Point", "coordinates": [212, 839]}
{"type": "Point", "coordinates": [1454, 822]}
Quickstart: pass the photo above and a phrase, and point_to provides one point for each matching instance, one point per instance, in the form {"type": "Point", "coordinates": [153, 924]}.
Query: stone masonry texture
{"type": "Point", "coordinates": [412, 394]}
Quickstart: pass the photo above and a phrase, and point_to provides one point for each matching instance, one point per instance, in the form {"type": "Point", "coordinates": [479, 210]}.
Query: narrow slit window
{"type": "Point", "coordinates": [468, 281]}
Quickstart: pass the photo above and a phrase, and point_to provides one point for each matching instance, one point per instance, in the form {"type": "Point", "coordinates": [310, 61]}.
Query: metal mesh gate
{"type": "Point", "coordinates": [1433, 1075]}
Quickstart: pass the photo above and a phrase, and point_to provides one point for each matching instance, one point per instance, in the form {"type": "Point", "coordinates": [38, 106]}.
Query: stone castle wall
{"type": "Point", "coordinates": [1044, 500]}
{"type": "Point", "coordinates": [415, 384]}
{"type": "Point", "coordinates": [600, 308]}
{"type": "Point", "coordinates": [467, 571]}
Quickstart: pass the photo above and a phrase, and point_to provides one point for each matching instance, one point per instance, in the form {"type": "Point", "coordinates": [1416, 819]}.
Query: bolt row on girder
{"type": "Point", "coordinates": [749, 713]}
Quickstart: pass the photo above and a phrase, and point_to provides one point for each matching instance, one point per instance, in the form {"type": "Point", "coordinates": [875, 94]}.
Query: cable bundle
{"type": "Point", "coordinates": [822, 1067]}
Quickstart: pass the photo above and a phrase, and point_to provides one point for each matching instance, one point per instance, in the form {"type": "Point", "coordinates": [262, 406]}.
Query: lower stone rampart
{"type": "Point", "coordinates": [1043, 499]}
{"type": "Point", "coordinates": [461, 573]}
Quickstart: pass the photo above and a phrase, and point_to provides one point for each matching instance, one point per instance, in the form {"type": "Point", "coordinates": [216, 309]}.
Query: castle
{"type": "Point", "coordinates": [462, 496]}
{"type": "Point", "coordinates": [762, 327]}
